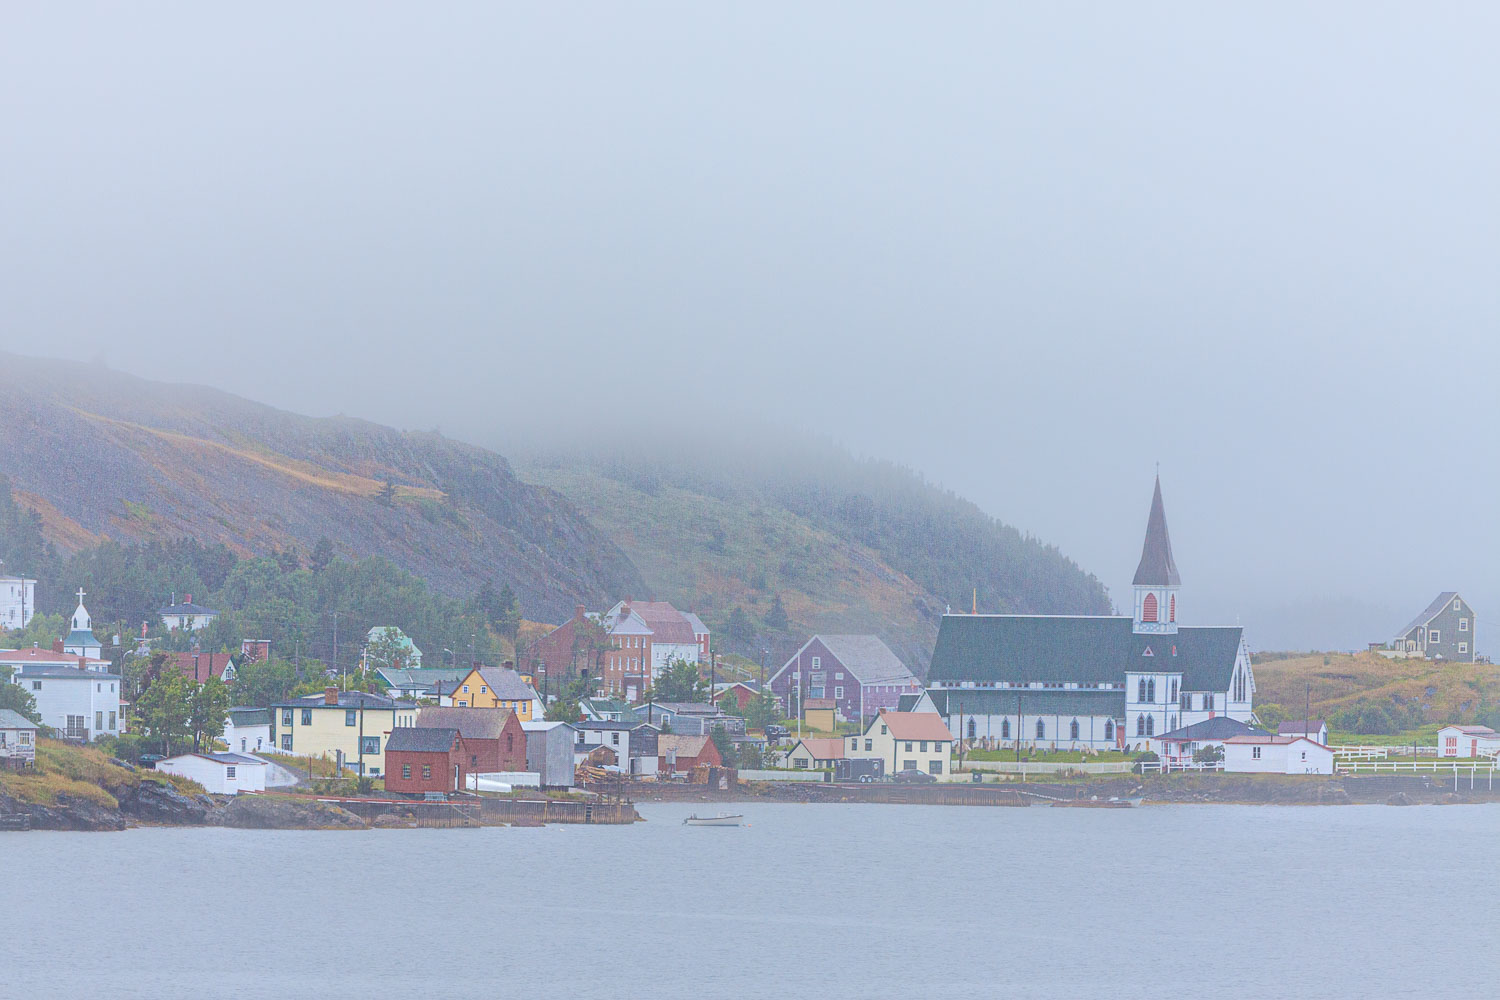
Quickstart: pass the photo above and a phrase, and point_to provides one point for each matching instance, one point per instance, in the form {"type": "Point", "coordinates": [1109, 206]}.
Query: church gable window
{"type": "Point", "coordinates": [1148, 608]}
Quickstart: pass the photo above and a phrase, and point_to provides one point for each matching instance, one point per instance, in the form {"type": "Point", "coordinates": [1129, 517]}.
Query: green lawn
{"type": "Point", "coordinates": [1039, 757]}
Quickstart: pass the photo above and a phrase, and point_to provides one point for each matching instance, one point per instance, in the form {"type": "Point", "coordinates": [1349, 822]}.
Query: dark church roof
{"type": "Point", "coordinates": [1020, 649]}
{"type": "Point", "coordinates": [1029, 702]}
{"type": "Point", "coordinates": [1157, 567]}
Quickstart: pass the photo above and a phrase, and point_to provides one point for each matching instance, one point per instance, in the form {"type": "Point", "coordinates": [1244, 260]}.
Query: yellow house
{"type": "Point", "coordinates": [496, 687]}
{"type": "Point", "coordinates": [350, 727]}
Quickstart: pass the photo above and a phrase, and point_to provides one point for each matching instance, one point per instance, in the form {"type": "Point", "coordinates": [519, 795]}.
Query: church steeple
{"type": "Point", "coordinates": [1156, 578]}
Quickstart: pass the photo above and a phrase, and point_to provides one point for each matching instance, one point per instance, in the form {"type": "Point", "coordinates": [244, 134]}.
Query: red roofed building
{"type": "Point", "coordinates": [679, 754]}
{"type": "Point", "coordinates": [54, 657]}
{"type": "Point", "coordinates": [642, 638]}
{"type": "Point", "coordinates": [906, 741]}
{"type": "Point", "coordinates": [198, 666]}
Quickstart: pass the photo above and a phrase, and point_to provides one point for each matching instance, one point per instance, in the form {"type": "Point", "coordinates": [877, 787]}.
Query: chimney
{"type": "Point", "coordinates": [510, 664]}
{"type": "Point", "coordinates": [330, 696]}
{"type": "Point", "coordinates": [578, 610]}
{"type": "Point", "coordinates": [187, 598]}
{"type": "Point", "coordinates": [57, 645]}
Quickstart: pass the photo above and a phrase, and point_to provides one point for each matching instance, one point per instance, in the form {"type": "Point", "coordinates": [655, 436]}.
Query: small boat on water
{"type": "Point", "coordinates": [723, 819]}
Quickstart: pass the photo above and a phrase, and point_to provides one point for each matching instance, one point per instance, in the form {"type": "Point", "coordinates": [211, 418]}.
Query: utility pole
{"type": "Point", "coordinates": [336, 646]}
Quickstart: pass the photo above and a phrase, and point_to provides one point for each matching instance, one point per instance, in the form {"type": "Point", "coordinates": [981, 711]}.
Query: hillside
{"type": "Point", "coordinates": [99, 454]}
{"type": "Point", "coordinates": [1411, 691]}
{"type": "Point", "coordinates": [845, 544]}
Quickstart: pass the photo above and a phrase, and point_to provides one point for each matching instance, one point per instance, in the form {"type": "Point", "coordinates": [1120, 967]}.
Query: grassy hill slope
{"type": "Point", "coordinates": [101, 455]}
{"type": "Point", "coordinates": [1412, 691]}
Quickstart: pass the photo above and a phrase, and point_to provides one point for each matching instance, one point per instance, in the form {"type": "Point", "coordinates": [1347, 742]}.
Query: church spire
{"type": "Point", "coordinates": [1156, 579]}
{"type": "Point", "coordinates": [1157, 567]}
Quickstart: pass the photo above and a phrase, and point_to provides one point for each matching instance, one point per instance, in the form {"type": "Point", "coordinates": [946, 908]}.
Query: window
{"type": "Point", "coordinates": [1458, 605]}
{"type": "Point", "coordinates": [923, 746]}
{"type": "Point", "coordinates": [817, 662]}
{"type": "Point", "coordinates": [466, 689]}
{"type": "Point", "coordinates": [36, 685]}
{"type": "Point", "coordinates": [1151, 689]}
{"type": "Point", "coordinates": [1186, 703]}
{"type": "Point", "coordinates": [1463, 624]}
{"type": "Point", "coordinates": [26, 739]}
{"type": "Point", "coordinates": [908, 765]}
{"type": "Point", "coordinates": [1140, 694]}
{"type": "Point", "coordinates": [1140, 725]}
{"type": "Point", "coordinates": [370, 745]}
{"type": "Point", "coordinates": [1208, 703]}
{"type": "Point", "coordinates": [1073, 730]}
{"type": "Point", "coordinates": [935, 767]}
{"type": "Point", "coordinates": [614, 738]}
{"type": "Point", "coordinates": [838, 692]}
{"type": "Point", "coordinates": [112, 720]}
{"type": "Point", "coordinates": [972, 728]}
{"type": "Point", "coordinates": [800, 763]}
{"type": "Point", "coordinates": [1463, 647]}
{"type": "Point", "coordinates": [869, 744]}
{"type": "Point", "coordinates": [1005, 729]}
{"type": "Point", "coordinates": [882, 729]}
{"type": "Point", "coordinates": [854, 745]}
{"type": "Point", "coordinates": [1172, 611]}
{"type": "Point", "coordinates": [1148, 608]}
{"type": "Point", "coordinates": [243, 743]}
{"type": "Point", "coordinates": [1109, 729]}
{"type": "Point", "coordinates": [838, 675]}
{"type": "Point", "coordinates": [1255, 752]}
{"type": "Point", "coordinates": [286, 741]}
{"type": "Point", "coordinates": [483, 689]}
{"type": "Point", "coordinates": [1150, 725]}
{"type": "Point", "coordinates": [426, 770]}
{"type": "Point", "coordinates": [1041, 729]}
{"type": "Point", "coordinates": [908, 746]}
{"type": "Point", "coordinates": [510, 741]}
{"type": "Point", "coordinates": [98, 721]}
{"type": "Point", "coordinates": [286, 717]}
{"type": "Point", "coordinates": [307, 716]}
{"type": "Point", "coordinates": [349, 717]}
{"type": "Point", "coordinates": [1434, 635]}
{"type": "Point", "coordinates": [406, 771]}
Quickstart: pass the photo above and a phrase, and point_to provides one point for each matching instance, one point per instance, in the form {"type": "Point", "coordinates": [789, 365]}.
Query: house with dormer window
{"type": "Point", "coordinates": [1092, 681]}
{"type": "Point", "coordinates": [1443, 631]}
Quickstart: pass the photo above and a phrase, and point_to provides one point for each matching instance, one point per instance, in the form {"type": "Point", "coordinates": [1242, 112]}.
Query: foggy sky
{"type": "Point", "coordinates": [1029, 250]}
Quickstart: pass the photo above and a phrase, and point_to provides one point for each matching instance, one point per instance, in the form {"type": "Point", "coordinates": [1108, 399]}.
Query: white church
{"type": "Point", "coordinates": [1092, 681]}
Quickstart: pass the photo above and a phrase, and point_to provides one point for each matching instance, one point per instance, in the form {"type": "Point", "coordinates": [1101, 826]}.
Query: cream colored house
{"type": "Point", "coordinates": [349, 727]}
{"type": "Point", "coordinates": [906, 741]}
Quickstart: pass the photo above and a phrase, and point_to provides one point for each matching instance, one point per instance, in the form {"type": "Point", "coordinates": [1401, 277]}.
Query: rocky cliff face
{"type": "Point", "coordinates": [104, 455]}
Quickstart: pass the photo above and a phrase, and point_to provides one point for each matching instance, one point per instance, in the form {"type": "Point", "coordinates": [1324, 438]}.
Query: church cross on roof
{"type": "Point", "coordinates": [1157, 567]}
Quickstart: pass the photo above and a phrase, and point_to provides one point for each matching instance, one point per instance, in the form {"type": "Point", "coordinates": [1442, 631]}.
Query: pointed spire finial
{"type": "Point", "coordinates": [1157, 568]}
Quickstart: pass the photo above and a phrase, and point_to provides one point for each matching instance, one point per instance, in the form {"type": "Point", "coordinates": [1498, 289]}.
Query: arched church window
{"type": "Point", "coordinates": [1109, 729]}
{"type": "Point", "coordinates": [1141, 693]}
{"type": "Point", "coordinates": [1041, 729]}
{"type": "Point", "coordinates": [1150, 725]}
{"type": "Point", "coordinates": [1172, 608]}
{"type": "Point", "coordinates": [1005, 729]}
{"type": "Point", "coordinates": [1073, 730]}
{"type": "Point", "coordinates": [1140, 725]}
{"type": "Point", "coordinates": [1148, 608]}
{"type": "Point", "coordinates": [1151, 689]}
{"type": "Point", "coordinates": [971, 729]}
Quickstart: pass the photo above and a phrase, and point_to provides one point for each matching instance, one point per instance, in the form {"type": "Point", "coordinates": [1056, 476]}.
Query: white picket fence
{"type": "Point", "coordinates": [1169, 766]}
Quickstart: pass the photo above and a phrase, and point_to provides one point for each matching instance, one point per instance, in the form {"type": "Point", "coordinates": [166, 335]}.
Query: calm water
{"type": "Point", "coordinates": [809, 900]}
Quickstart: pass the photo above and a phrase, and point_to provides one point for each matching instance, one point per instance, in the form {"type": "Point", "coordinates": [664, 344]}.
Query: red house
{"type": "Point", "coordinates": [493, 738]}
{"type": "Point", "coordinates": [199, 666]}
{"type": "Point", "coordinates": [676, 754]}
{"type": "Point", "coordinates": [739, 691]}
{"type": "Point", "coordinates": [420, 760]}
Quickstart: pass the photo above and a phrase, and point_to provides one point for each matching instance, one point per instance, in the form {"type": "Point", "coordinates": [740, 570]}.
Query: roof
{"type": "Point", "coordinates": [867, 657]}
{"type": "Point", "coordinates": [683, 746]}
{"type": "Point", "coordinates": [697, 623]}
{"type": "Point", "coordinates": [915, 725]}
{"type": "Point", "coordinates": [1434, 609]}
{"type": "Point", "coordinates": [424, 677]}
{"type": "Point", "coordinates": [1220, 727]}
{"type": "Point", "coordinates": [232, 759]}
{"type": "Point", "coordinates": [198, 666]}
{"type": "Point", "coordinates": [1473, 730]}
{"type": "Point", "coordinates": [347, 699]}
{"type": "Point", "coordinates": [506, 683]}
{"type": "Point", "coordinates": [1157, 568]}
{"type": "Point", "coordinates": [38, 655]}
{"type": "Point", "coordinates": [416, 739]}
{"type": "Point", "coordinates": [1301, 727]}
{"type": "Point", "coordinates": [67, 673]}
{"type": "Point", "coordinates": [250, 716]}
{"type": "Point", "coordinates": [11, 719]}
{"type": "Point", "coordinates": [1265, 739]}
{"type": "Point", "coordinates": [667, 624]}
{"type": "Point", "coordinates": [472, 723]}
{"type": "Point", "coordinates": [1032, 702]}
{"type": "Point", "coordinates": [605, 724]}
{"type": "Point", "coordinates": [1086, 649]}
{"type": "Point", "coordinates": [819, 704]}
{"type": "Point", "coordinates": [683, 708]}
{"type": "Point", "coordinates": [186, 609]}
{"type": "Point", "coordinates": [823, 748]}
{"type": "Point", "coordinates": [907, 702]}
{"type": "Point", "coordinates": [540, 726]}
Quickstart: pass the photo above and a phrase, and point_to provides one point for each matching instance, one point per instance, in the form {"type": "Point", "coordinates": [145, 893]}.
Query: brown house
{"type": "Point", "coordinates": [418, 761]}
{"type": "Point", "coordinates": [677, 754]}
{"type": "Point", "coordinates": [493, 737]}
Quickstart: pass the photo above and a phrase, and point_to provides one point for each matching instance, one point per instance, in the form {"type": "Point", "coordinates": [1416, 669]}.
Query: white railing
{"type": "Point", "coordinates": [1168, 766]}
{"type": "Point", "coordinates": [1356, 752]}
{"type": "Point", "coordinates": [1414, 766]}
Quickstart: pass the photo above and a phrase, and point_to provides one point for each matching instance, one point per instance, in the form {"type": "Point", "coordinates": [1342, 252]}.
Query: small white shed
{"type": "Point", "coordinates": [219, 773]}
{"type": "Point", "coordinates": [1267, 754]}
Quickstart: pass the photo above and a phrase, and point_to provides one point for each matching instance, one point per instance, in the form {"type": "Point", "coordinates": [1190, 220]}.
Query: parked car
{"type": "Point", "coordinates": [150, 759]}
{"type": "Point", "coordinates": [777, 732]}
{"type": "Point", "coordinates": [913, 776]}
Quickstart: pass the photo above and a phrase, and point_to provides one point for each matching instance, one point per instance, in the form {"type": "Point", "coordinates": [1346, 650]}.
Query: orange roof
{"type": "Point", "coordinates": [824, 748]}
{"type": "Point", "coordinates": [35, 655]}
{"type": "Point", "coordinates": [915, 725]}
{"type": "Point", "coordinates": [1274, 740]}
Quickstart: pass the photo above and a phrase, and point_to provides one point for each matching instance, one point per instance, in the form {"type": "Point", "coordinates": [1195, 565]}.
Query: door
{"type": "Point", "coordinates": [455, 777]}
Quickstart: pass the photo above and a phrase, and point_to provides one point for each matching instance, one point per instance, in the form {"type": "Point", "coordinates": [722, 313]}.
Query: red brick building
{"type": "Point", "coordinates": [493, 738]}
{"type": "Point", "coordinates": [198, 666]}
{"type": "Point", "coordinates": [419, 760]}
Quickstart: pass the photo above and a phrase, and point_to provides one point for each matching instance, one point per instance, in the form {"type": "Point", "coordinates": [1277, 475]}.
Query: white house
{"type": "Point", "coordinates": [219, 773]}
{"type": "Point", "coordinates": [248, 730]}
{"type": "Point", "coordinates": [633, 743]}
{"type": "Point", "coordinates": [1178, 746]}
{"type": "Point", "coordinates": [79, 703]}
{"type": "Point", "coordinates": [187, 616]}
{"type": "Point", "coordinates": [1267, 754]}
{"type": "Point", "coordinates": [17, 601]}
{"type": "Point", "coordinates": [906, 741]}
{"type": "Point", "coordinates": [17, 738]}
{"type": "Point", "coordinates": [1468, 741]}
{"type": "Point", "coordinates": [1314, 729]}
